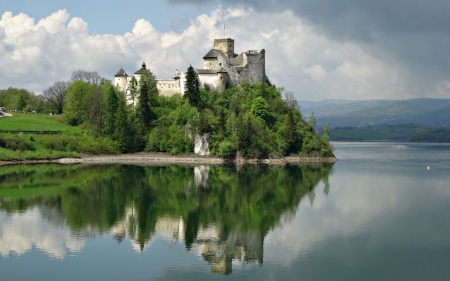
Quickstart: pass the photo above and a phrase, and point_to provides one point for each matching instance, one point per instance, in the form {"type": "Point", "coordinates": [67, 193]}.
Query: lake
{"type": "Point", "coordinates": [381, 212]}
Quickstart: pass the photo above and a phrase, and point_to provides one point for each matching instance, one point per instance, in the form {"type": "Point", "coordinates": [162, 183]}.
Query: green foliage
{"type": "Point", "coordinates": [77, 106]}
{"type": "Point", "coordinates": [171, 139]}
{"type": "Point", "coordinates": [257, 122]}
{"type": "Point", "coordinates": [80, 143]}
{"type": "Point", "coordinates": [192, 91]}
{"type": "Point", "coordinates": [112, 103]}
{"type": "Point", "coordinates": [260, 109]}
{"type": "Point", "coordinates": [327, 133]}
{"type": "Point", "coordinates": [124, 132]}
{"type": "Point", "coordinates": [147, 96]}
{"type": "Point", "coordinates": [16, 142]}
{"type": "Point", "coordinates": [16, 99]}
{"type": "Point", "coordinates": [133, 90]}
{"type": "Point", "coordinates": [252, 120]}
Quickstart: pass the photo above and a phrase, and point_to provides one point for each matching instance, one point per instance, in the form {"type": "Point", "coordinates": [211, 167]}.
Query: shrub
{"type": "Point", "coordinates": [16, 142]}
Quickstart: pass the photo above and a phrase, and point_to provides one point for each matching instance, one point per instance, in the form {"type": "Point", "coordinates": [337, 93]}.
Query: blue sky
{"type": "Point", "coordinates": [346, 49]}
{"type": "Point", "coordinates": [115, 17]}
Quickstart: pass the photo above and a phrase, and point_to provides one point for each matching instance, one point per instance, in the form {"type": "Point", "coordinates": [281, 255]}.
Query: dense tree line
{"type": "Point", "coordinates": [53, 99]}
{"type": "Point", "coordinates": [21, 100]}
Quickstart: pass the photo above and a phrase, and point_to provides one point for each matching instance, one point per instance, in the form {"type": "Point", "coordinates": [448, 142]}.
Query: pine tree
{"type": "Point", "coordinates": [143, 107]}
{"type": "Point", "coordinates": [192, 91]}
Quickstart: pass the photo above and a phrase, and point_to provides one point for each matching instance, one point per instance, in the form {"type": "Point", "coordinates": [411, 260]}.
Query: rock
{"type": "Point", "coordinates": [201, 145]}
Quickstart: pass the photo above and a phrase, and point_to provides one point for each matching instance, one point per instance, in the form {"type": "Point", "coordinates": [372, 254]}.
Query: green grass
{"type": "Point", "coordinates": [31, 122]}
{"type": "Point", "coordinates": [41, 153]}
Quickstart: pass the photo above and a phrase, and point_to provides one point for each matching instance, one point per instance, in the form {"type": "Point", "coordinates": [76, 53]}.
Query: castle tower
{"type": "Point", "coordinates": [120, 80]}
{"type": "Point", "coordinates": [141, 71]}
{"type": "Point", "coordinates": [226, 45]}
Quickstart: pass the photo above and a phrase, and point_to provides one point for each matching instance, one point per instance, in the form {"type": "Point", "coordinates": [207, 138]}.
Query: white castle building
{"type": "Point", "coordinates": [222, 68]}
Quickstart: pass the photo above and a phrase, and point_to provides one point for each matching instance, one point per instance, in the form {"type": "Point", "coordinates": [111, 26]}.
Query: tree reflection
{"type": "Point", "coordinates": [225, 212]}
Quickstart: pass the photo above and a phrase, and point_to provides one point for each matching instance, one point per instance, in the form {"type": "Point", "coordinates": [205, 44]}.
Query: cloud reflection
{"type": "Point", "coordinates": [20, 232]}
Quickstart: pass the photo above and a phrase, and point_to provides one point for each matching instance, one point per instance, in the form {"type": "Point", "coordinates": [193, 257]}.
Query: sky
{"type": "Point", "coordinates": [328, 49]}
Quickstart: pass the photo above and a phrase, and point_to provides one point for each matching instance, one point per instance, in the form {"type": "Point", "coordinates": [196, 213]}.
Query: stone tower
{"type": "Point", "coordinates": [225, 45]}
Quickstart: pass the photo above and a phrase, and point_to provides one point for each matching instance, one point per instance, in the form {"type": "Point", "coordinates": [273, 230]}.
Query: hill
{"type": "Point", "coordinates": [31, 122]}
{"type": "Point", "coordinates": [350, 113]}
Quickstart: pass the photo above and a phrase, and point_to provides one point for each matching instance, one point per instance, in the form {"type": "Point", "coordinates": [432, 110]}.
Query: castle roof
{"type": "Point", "coordinates": [213, 54]}
{"type": "Point", "coordinates": [142, 70]}
{"type": "Point", "coordinates": [121, 73]}
{"type": "Point", "coordinates": [211, 71]}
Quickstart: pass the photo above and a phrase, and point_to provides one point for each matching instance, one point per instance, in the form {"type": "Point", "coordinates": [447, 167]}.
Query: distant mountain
{"type": "Point", "coordinates": [348, 113]}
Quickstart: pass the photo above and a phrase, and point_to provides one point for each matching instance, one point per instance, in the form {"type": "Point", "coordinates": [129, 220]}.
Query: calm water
{"type": "Point", "coordinates": [379, 213]}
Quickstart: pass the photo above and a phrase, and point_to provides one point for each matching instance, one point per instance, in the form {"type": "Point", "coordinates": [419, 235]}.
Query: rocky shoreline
{"type": "Point", "coordinates": [148, 158]}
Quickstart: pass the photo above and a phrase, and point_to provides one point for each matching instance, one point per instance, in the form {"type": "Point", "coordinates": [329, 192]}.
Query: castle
{"type": "Point", "coordinates": [222, 68]}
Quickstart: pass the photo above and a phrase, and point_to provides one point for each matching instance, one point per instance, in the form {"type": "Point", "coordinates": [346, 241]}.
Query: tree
{"type": "Point", "coordinates": [77, 108]}
{"type": "Point", "coordinates": [312, 120]}
{"type": "Point", "coordinates": [291, 137]}
{"type": "Point", "coordinates": [56, 95]}
{"type": "Point", "coordinates": [147, 89]}
{"type": "Point", "coordinates": [86, 76]}
{"type": "Point", "coordinates": [112, 103]}
{"type": "Point", "coordinates": [192, 91]}
{"type": "Point", "coordinates": [260, 109]}
{"type": "Point", "coordinates": [122, 128]}
{"type": "Point", "coordinates": [97, 106]}
{"type": "Point", "coordinates": [290, 99]}
{"type": "Point", "coordinates": [16, 99]}
{"type": "Point", "coordinates": [327, 132]}
{"type": "Point", "coordinates": [133, 89]}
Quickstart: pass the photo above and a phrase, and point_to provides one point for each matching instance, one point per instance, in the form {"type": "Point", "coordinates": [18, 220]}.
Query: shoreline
{"type": "Point", "coordinates": [152, 158]}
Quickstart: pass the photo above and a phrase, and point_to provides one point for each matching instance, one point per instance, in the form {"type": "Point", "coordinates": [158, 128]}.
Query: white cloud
{"type": "Point", "coordinates": [316, 72]}
{"type": "Point", "coordinates": [35, 55]}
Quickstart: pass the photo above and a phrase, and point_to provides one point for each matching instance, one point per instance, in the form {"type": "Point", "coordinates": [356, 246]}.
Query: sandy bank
{"type": "Point", "coordinates": [149, 158]}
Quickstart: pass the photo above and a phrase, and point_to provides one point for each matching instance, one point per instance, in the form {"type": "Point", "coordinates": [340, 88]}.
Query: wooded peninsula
{"type": "Point", "coordinates": [257, 121]}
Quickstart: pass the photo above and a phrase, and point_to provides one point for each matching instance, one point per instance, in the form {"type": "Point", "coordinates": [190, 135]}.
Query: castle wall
{"type": "Point", "coordinates": [211, 64]}
{"type": "Point", "coordinates": [208, 79]}
{"type": "Point", "coordinates": [168, 87]}
{"type": "Point", "coordinates": [247, 67]}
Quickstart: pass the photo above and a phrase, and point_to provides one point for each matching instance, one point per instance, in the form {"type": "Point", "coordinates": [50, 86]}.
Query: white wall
{"type": "Point", "coordinates": [208, 79]}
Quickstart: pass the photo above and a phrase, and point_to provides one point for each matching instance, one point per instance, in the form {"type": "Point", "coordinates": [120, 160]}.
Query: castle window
{"type": "Point", "coordinates": [239, 72]}
{"type": "Point", "coordinates": [220, 64]}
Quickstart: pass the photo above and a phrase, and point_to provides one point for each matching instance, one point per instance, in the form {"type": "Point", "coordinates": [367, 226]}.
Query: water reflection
{"type": "Point", "coordinates": [224, 213]}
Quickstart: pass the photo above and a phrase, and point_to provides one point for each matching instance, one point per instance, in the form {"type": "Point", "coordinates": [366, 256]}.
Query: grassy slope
{"type": "Point", "coordinates": [28, 122]}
